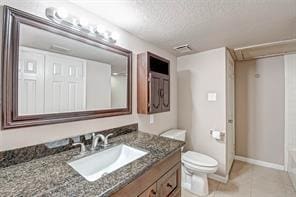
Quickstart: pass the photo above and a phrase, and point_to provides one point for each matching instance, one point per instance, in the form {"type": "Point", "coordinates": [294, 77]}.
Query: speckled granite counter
{"type": "Point", "coordinates": [52, 176]}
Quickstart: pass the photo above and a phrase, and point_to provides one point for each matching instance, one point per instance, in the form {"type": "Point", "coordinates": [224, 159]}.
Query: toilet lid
{"type": "Point", "coordinates": [199, 159]}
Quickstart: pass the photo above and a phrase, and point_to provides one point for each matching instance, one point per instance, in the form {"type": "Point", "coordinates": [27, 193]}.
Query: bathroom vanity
{"type": "Point", "coordinates": [157, 173]}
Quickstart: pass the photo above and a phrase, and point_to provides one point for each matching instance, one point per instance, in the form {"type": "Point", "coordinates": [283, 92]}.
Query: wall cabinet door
{"type": "Point", "coordinates": [154, 93]}
{"type": "Point", "coordinates": [159, 92]}
{"type": "Point", "coordinates": [165, 93]}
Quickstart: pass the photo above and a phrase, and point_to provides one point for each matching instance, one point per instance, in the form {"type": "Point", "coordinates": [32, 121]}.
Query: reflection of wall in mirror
{"type": "Point", "coordinates": [98, 85]}
{"type": "Point", "coordinates": [119, 91]}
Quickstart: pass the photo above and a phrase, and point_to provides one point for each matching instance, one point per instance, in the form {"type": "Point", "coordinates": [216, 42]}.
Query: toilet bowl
{"type": "Point", "coordinates": [195, 166]}
{"type": "Point", "coordinates": [195, 170]}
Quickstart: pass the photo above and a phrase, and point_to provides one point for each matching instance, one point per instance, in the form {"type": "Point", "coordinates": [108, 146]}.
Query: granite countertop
{"type": "Point", "coordinates": [52, 176]}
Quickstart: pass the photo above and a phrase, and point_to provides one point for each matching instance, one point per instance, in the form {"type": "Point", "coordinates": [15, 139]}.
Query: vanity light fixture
{"type": "Point", "coordinates": [61, 16]}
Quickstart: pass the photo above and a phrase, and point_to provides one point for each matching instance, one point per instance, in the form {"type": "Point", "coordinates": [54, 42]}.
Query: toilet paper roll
{"type": "Point", "coordinates": [216, 134]}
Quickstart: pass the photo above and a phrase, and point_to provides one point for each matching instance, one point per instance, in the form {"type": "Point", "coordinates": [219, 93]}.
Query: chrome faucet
{"type": "Point", "coordinates": [95, 139]}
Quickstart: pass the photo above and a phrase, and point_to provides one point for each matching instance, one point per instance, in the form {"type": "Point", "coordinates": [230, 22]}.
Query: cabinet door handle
{"type": "Point", "coordinates": [153, 192]}
{"type": "Point", "coordinates": [169, 185]}
{"type": "Point", "coordinates": [161, 92]}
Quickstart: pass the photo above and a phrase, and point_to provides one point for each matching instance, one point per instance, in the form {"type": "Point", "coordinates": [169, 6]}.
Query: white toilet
{"type": "Point", "coordinates": [195, 166]}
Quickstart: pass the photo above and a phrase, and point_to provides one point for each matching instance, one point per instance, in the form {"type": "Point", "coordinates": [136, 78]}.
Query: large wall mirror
{"type": "Point", "coordinates": [52, 73]}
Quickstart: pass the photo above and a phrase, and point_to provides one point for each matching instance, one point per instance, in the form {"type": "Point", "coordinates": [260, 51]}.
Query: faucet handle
{"type": "Point", "coordinates": [107, 136]}
{"type": "Point", "coordinates": [106, 140]}
{"type": "Point", "coordinates": [82, 147]}
{"type": "Point", "coordinates": [93, 135]}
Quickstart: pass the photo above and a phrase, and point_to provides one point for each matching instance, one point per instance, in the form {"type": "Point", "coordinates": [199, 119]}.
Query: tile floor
{"type": "Point", "coordinates": [248, 180]}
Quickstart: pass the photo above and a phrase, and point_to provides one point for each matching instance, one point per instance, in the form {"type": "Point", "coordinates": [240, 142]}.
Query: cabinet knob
{"type": "Point", "coordinates": [169, 185]}
{"type": "Point", "coordinates": [153, 192]}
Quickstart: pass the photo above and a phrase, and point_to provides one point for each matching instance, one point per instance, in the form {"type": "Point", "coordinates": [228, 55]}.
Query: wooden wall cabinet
{"type": "Point", "coordinates": [153, 83]}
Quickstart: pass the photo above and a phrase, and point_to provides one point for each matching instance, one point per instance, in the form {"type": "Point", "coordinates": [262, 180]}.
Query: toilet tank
{"type": "Point", "coordinates": [177, 134]}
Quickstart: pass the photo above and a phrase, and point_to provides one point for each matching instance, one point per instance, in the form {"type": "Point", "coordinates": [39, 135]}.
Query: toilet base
{"type": "Point", "coordinates": [195, 183]}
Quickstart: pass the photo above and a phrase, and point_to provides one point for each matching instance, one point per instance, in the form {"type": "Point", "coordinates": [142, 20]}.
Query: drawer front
{"type": "Point", "coordinates": [169, 184]}
{"type": "Point", "coordinates": [150, 192]}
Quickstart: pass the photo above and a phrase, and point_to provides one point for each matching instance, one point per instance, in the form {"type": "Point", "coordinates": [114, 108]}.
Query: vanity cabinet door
{"type": "Point", "coordinates": [169, 185]}
{"type": "Point", "coordinates": [150, 192]}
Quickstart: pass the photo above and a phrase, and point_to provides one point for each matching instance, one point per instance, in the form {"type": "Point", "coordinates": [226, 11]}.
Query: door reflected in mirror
{"type": "Point", "coordinates": [57, 74]}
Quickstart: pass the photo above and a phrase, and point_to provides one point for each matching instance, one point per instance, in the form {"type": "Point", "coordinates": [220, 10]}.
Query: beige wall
{"type": "Point", "coordinates": [14, 138]}
{"type": "Point", "coordinates": [199, 74]}
{"type": "Point", "coordinates": [260, 105]}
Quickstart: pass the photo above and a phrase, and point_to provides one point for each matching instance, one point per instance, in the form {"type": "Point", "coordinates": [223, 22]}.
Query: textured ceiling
{"type": "Point", "coordinates": [203, 24]}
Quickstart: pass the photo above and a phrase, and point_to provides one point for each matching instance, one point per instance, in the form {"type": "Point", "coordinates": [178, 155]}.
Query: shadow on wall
{"type": "Point", "coordinates": [185, 104]}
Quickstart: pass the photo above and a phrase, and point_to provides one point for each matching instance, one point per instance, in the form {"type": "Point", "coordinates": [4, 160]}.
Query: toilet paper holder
{"type": "Point", "coordinates": [216, 136]}
{"type": "Point", "coordinates": [221, 133]}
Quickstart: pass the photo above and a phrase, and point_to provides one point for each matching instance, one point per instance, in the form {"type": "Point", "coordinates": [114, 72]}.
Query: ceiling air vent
{"type": "Point", "coordinates": [183, 48]}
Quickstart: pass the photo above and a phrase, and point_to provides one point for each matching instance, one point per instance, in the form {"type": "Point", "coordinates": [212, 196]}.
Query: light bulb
{"type": "Point", "coordinates": [62, 13]}
{"type": "Point", "coordinates": [101, 29]}
{"type": "Point", "coordinates": [83, 22]}
{"type": "Point", "coordinates": [74, 21]}
{"type": "Point", "coordinates": [92, 29]}
{"type": "Point", "coordinates": [114, 35]}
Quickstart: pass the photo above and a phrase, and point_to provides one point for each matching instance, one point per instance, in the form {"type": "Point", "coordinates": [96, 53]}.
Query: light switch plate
{"type": "Point", "coordinates": [212, 96]}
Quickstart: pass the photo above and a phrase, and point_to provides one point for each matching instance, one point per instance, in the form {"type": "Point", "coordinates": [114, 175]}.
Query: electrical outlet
{"type": "Point", "coordinates": [151, 119]}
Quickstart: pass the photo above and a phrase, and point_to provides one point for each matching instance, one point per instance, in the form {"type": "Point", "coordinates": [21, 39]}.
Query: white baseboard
{"type": "Point", "coordinates": [219, 178]}
{"type": "Point", "coordinates": [260, 163]}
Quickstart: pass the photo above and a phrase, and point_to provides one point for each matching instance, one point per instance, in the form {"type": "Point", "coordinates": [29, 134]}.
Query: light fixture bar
{"type": "Point", "coordinates": [61, 16]}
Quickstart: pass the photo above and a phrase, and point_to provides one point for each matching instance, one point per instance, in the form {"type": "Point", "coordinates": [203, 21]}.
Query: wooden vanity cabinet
{"type": "Point", "coordinates": [168, 184]}
{"type": "Point", "coordinates": [162, 180]}
{"type": "Point", "coordinates": [153, 83]}
{"type": "Point", "coordinates": [150, 192]}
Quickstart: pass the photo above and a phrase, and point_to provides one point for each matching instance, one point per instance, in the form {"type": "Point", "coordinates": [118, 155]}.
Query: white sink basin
{"type": "Point", "coordinates": [94, 166]}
